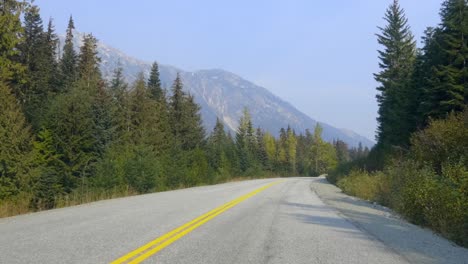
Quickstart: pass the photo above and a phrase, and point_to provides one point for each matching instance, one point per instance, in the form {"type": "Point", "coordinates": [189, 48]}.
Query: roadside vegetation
{"type": "Point", "coordinates": [69, 136]}
{"type": "Point", "coordinates": [419, 166]}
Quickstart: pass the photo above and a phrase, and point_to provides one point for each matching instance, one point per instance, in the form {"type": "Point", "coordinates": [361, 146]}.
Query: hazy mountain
{"type": "Point", "coordinates": [223, 94]}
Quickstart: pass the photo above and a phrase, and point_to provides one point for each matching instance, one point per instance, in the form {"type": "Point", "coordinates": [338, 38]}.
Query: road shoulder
{"type": "Point", "coordinates": [416, 244]}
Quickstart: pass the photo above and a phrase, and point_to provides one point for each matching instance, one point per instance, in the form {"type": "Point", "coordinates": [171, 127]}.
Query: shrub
{"type": "Point", "coordinates": [365, 185]}
{"type": "Point", "coordinates": [344, 169]}
{"type": "Point", "coordinates": [443, 141]}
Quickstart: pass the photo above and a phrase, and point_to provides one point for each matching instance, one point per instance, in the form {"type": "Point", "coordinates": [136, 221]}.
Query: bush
{"type": "Point", "coordinates": [344, 169]}
{"type": "Point", "coordinates": [443, 141]}
{"type": "Point", "coordinates": [368, 186]}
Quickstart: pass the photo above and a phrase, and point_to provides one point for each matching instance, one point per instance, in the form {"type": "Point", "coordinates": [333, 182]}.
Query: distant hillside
{"type": "Point", "coordinates": [223, 94]}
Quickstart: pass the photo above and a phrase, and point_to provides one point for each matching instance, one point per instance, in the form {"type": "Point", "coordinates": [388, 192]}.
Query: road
{"type": "Point", "coordinates": [292, 220]}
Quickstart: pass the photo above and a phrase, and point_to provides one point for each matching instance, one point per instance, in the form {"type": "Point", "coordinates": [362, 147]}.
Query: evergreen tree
{"type": "Point", "coordinates": [196, 132]}
{"type": "Point", "coordinates": [46, 159]}
{"type": "Point", "coordinates": [33, 38]}
{"type": "Point", "coordinates": [154, 84]}
{"type": "Point", "coordinates": [51, 66]}
{"type": "Point", "coordinates": [68, 62]}
{"type": "Point", "coordinates": [118, 86]}
{"type": "Point", "coordinates": [15, 144]}
{"type": "Point", "coordinates": [161, 109]}
{"type": "Point", "coordinates": [71, 120]}
{"type": "Point", "coordinates": [283, 150]}
{"type": "Point", "coordinates": [342, 151]}
{"type": "Point", "coordinates": [231, 155]}
{"type": "Point", "coordinates": [105, 119]}
{"type": "Point", "coordinates": [185, 118]}
{"type": "Point", "coordinates": [120, 101]}
{"type": "Point", "coordinates": [216, 143]}
{"type": "Point", "coordinates": [177, 110]}
{"type": "Point", "coordinates": [32, 56]}
{"type": "Point", "coordinates": [414, 117]}
{"type": "Point", "coordinates": [88, 62]}
{"type": "Point", "coordinates": [218, 151]}
{"type": "Point", "coordinates": [102, 105]}
{"type": "Point", "coordinates": [396, 62]}
{"type": "Point", "coordinates": [38, 54]}
{"type": "Point", "coordinates": [448, 89]}
{"type": "Point", "coordinates": [291, 143]}
{"type": "Point", "coordinates": [11, 36]}
{"type": "Point", "coordinates": [149, 124]}
{"type": "Point", "coordinates": [244, 141]}
{"type": "Point", "coordinates": [261, 153]}
{"type": "Point", "coordinates": [138, 99]}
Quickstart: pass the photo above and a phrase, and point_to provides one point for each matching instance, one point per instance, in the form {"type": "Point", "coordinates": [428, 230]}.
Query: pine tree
{"type": "Point", "coordinates": [72, 122]}
{"type": "Point", "coordinates": [15, 144]}
{"type": "Point", "coordinates": [138, 100]}
{"type": "Point", "coordinates": [448, 89]}
{"type": "Point", "coordinates": [396, 62]}
{"type": "Point", "coordinates": [185, 118]}
{"type": "Point", "coordinates": [102, 105]}
{"type": "Point", "coordinates": [105, 119]}
{"type": "Point", "coordinates": [414, 117]}
{"type": "Point", "coordinates": [11, 31]}
{"type": "Point", "coordinates": [120, 101]}
{"type": "Point", "coordinates": [38, 54]}
{"type": "Point", "coordinates": [291, 143]}
{"type": "Point", "coordinates": [33, 38]}
{"type": "Point", "coordinates": [51, 67]}
{"type": "Point", "coordinates": [154, 84]}
{"type": "Point", "coordinates": [283, 150]}
{"type": "Point", "coordinates": [149, 122]}
{"type": "Point", "coordinates": [88, 62]}
{"type": "Point", "coordinates": [303, 149]}
{"type": "Point", "coordinates": [261, 148]}
{"type": "Point", "coordinates": [68, 62]}
{"type": "Point", "coordinates": [196, 132]}
{"type": "Point", "coordinates": [46, 159]}
{"type": "Point", "coordinates": [177, 109]}
{"type": "Point", "coordinates": [244, 141]}
{"type": "Point", "coordinates": [118, 86]}
{"type": "Point", "coordinates": [342, 152]}
{"type": "Point", "coordinates": [216, 144]}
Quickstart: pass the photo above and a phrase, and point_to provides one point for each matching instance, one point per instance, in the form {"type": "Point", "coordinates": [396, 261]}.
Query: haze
{"type": "Point", "coordinates": [317, 55]}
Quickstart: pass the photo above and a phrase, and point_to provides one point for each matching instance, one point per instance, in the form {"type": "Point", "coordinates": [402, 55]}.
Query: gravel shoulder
{"type": "Point", "coordinates": [415, 244]}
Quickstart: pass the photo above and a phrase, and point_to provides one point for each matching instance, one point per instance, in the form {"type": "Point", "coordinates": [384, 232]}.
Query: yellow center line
{"type": "Point", "coordinates": [151, 248]}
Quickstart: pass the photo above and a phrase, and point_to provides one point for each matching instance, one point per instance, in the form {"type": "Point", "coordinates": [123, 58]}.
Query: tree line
{"type": "Point", "coordinates": [419, 84]}
{"type": "Point", "coordinates": [69, 136]}
{"type": "Point", "coordinates": [419, 166]}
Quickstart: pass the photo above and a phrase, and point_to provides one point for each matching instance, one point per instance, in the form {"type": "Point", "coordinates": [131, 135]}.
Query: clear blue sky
{"type": "Point", "coordinates": [318, 55]}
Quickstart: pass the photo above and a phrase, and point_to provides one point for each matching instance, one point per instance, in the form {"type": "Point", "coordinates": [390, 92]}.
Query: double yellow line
{"type": "Point", "coordinates": [140, 254]}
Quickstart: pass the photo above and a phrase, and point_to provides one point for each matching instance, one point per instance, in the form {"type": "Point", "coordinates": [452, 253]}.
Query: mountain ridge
{"type": "Point", "coordinates": [224, 94]}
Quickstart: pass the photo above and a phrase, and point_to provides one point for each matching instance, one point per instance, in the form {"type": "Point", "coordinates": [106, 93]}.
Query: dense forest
{"type": "Point", "coordinates": [69, 135]}
{"type": "Point", "coordinates": [419, 165]}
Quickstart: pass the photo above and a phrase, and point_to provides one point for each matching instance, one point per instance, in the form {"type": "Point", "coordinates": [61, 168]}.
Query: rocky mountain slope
{"type": "Point", "coordinates": [223, 94]}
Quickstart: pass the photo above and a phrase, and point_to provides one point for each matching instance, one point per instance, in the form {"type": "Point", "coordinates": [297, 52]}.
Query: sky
{"type": "Point", "coordinates": [319, 55]}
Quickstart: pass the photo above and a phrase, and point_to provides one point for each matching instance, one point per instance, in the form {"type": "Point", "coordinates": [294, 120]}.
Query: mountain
{"type": "Point", "coordinates": [223, 94]}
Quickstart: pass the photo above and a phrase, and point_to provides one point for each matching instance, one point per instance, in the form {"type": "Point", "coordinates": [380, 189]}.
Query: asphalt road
{"type": "Point", "coordinates": [283, 222]}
